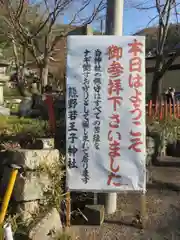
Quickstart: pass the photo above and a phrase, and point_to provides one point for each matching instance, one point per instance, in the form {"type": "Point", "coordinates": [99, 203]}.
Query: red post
{"type": "Point", "coordinates": [166, 109]}
{"type": "Point", "coordinates": [161, 110]}
{"type": "Point", "coordinates": [150, 108]}
{"type": "Point", "coordinates": [174, 108]}
{"type": "Point", "coordinates": [156, 108]}
{"type": "Point", "coordinates": [178, 113]}
{"type": "Point", "coordinates": [170, 109]}
{"type": "Point", "coordinates": [52, 123]}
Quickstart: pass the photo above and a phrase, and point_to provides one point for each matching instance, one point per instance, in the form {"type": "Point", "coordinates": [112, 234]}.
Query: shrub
{"type": "Point", "coordinates": [11, 92]}
{"type": "Point", "coordinates": [13, 126]}
{"type": "Point", "coordinates": [169, 126]}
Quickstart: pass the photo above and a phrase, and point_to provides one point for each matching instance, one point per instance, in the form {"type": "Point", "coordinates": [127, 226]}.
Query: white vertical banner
{"type": "Point", "coordinates": [105, 113]}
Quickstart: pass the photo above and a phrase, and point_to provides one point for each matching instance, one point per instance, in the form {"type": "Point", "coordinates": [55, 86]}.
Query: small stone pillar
{"type": "Point", "coordinates": [89, 30]}
{"type": "Point", "coordinates": [3, 80]}
{"type": "Point", "coordinates": [1, 92]}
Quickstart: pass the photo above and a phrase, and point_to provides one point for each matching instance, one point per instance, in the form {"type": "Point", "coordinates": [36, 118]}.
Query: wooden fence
{"type": "Point", "coordinates": [163, 110]}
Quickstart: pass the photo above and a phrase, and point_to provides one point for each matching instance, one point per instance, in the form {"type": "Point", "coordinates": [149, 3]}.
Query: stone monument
{"type": "Point", "coordinates": [3, 110]}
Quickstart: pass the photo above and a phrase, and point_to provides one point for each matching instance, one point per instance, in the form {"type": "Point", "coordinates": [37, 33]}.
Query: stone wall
{"type": "Point", "coordinates": [30, 184]}
{"type": "Point", "coordinates": [164, 143]}
{"type": "Point", "coordinates": [150, 150]}
{"type": "Point", "coordinates": [156, 146]}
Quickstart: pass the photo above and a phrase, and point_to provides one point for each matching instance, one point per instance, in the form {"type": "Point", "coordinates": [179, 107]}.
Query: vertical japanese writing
{"type": "Point", "coordinates": [85, 87]}
{"type": "Point", "coordinates": [97, 109]}
{"type": "Point", "coordinates": [115, 70]}
{"type": "Point", "coordinates": [135, 82]}
{"type": "Point", "coordinates": [72, 130]}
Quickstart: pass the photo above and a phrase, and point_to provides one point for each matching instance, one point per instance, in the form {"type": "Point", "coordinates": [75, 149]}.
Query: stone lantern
{"type": "Point", "coordinates": [3, 80]}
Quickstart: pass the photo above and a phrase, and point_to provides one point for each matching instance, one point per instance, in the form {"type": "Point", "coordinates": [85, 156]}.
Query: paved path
{"type": "Point", "coordinates": [163, 208]}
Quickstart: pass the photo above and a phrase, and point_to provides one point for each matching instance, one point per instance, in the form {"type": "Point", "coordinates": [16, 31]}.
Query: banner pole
{"type": "Point", "coordinates": [68, 209]}
{"type": "Point", "coordinates": [114, 26]}
{"type": "Point", "coordinates": [143, 209]}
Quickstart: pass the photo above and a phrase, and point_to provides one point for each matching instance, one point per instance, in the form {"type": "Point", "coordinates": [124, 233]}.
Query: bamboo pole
{"type": "Point", "coordinates": [8, 193]}
{"type": "Point", "coordinates": [68, 209]}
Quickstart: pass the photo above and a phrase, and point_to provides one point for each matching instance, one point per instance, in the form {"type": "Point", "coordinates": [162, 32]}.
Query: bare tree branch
{"type": "Point", "coordinates": [28, 35]}
{"type": "Point", "coordinates": [165, 10]}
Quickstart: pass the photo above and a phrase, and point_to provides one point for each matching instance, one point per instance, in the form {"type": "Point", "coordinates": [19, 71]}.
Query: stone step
{"type": "Point", "coordinates": [163, 176]}
{"type": "Point", "coordinates": [91, 215]}
{"type": "Point", "coordinates": [29, 186]}
{"type": "Point", "coordinates": [27, 210]}
{"type": "Point", "coordinates": [168, 159]}
{"type": "Point", "coordinates": [47, 227]}
{"type": "Point", "coordinates": [32, 158]}
{"type": "Point", "coordinates": [39, 143]}
{"type": "Point", "coordinates": [44, 143]}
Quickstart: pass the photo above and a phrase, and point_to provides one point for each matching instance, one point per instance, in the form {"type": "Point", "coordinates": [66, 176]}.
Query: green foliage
{"type": "Point", "coordinates": [11, 92]}
{"type": "Point", "coordinates": [53, 192]}
{"type": "Point", "coordinates": [64, 236]}
{"type": "Point", "coordinates": [168, 124]}
{"type": "Point", "coordinates": [1, 232]}
{"type": "Point", "coordinates": [13, 125]}
{"type": "Point", "coordinates": [12, 221]}
{"type": "Point", "coordinates": [14, 107]}
{"type": "Point", "coordinates": [53, 195]}
{"type": "Point", "coordinates": [163, 132]}
{"type": "Point", "coordinates": [68, 234]}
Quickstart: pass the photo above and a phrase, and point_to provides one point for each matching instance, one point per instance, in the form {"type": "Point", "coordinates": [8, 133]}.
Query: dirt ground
{"type": "Point", "coordinates": [163, 211]}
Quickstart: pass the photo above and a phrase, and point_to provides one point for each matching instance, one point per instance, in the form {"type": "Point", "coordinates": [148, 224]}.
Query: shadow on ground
{"type": "Point", "coordinates": [167, 226]}
{"type": "Point", "coordinates": [124, 222]}
{"type": "Point", "coordinates": [168, 164]}
{"type": "Point", "coordinates": [159, 185]}
{"type": "Point", "coordinates": [170, 229]}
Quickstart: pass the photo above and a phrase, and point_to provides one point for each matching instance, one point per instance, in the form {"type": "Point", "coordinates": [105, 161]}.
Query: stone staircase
{"type": "Point", "coordinates": [30, 185]}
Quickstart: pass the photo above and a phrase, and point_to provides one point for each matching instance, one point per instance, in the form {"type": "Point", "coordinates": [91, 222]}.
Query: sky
{"type": "Point", "coordinates": [133, 19]}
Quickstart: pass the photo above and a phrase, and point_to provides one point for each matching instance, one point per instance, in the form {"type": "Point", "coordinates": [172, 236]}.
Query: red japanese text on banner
{"type": "Point", "coordinates": [105, 120]}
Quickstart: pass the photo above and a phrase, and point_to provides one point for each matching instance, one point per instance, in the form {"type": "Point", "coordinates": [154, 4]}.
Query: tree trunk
{"type": "Point", "coordinates": [157, 78]}
{"type": "Point", "coordinates": [156, 87]}
{"type": "Point", "coordinates": [44, 71]}
{"type": "Point", "coordinates": [23, 67]}
{"type": "Point", "coordinates": [19, 72]}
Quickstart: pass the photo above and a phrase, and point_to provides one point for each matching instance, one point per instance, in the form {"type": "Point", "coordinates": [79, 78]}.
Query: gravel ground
{"type": "Point", "coordinates": [163, 210]}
